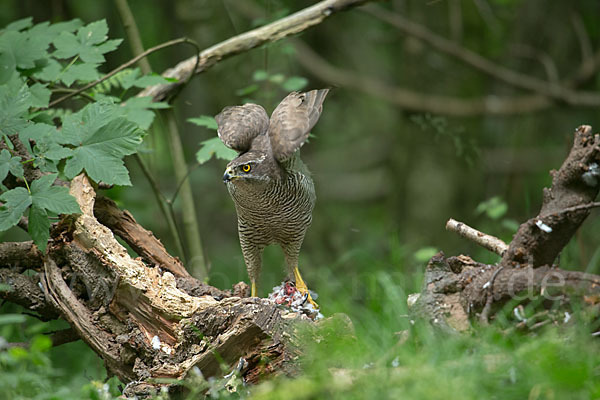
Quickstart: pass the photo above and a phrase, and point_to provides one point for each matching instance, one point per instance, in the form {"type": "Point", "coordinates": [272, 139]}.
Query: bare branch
{"type": "Point", "coordinates": [26, 292]}
{"type": "Point", "coordinates": [585, 44]}
{"type": "Point", "coordinates": [566, 204]}
{"type": "Point", "coordinates": [412, 100]}
{"type": "Point", "coordinates": [517, 79]}
{"type": "Point", "coordinates": [488, 242]}
{"type": "Point", "coordinates": [290, 25]}
{"type": "Point", "coordinates": [20, 255]}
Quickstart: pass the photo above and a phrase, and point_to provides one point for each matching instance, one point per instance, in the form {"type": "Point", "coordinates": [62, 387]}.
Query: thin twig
{"type": "Point", "coordinates": [488, 242]}
{"type": "Point", "coordinates": [122, 67]}
{"type": "Point", "coordinates": [164, 207]}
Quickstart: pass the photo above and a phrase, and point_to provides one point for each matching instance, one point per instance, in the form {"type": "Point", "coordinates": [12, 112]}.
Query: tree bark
{"type": "Point", "coordinates": [456, 289]}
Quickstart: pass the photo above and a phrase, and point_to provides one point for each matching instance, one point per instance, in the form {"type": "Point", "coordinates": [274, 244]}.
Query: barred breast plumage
{"type": "Point", "coordinates": [271, 187]}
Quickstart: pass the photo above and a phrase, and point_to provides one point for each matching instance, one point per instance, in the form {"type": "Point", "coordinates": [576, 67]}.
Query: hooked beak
{"type": "Point", "coordinates": [228, 175]}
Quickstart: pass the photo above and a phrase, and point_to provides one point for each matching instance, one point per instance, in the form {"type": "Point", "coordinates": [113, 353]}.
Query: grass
{"type": "Point", "coordinates": [382, 354]}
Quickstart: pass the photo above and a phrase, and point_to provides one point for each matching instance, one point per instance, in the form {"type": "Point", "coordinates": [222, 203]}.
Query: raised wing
{"type": "Point", "coordinates": [292, 121]}
{"type": "Point", "coordinates": [238, 125]}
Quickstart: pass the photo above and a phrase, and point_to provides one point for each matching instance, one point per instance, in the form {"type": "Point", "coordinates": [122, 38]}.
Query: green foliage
{"type": "Point", "coordinates": [424, 254]}
{"type": "Point", "coordinates": [213, 146]}
{"type": "Point", "coordinates": [495, 208]}
{"type": "Point", "coordinates": [35, 60]}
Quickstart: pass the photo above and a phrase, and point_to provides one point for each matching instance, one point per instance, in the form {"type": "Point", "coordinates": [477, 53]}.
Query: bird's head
{"type": "Point", "coordinates": [253, 166]}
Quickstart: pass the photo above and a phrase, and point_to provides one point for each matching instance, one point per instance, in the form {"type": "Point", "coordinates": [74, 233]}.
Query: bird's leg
{"type": "Point", "coordinates": [302, 288]}
{"type": "Point", "coordinates": [253, 259]}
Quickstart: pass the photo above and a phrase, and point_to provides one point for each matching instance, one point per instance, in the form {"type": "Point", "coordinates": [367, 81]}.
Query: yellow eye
{"type": "Point", "coordinates": [246, 168]}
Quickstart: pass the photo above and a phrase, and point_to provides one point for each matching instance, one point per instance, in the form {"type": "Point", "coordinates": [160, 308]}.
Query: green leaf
{"type": "Point", "coordinates": [38, 132]}
{"type": "Point", "coordinates": [39, 227]}
{"type": "Point", "coordinates": [424, 254]}
{"type": "Point", "coordinates": [494, 208]}
{"type": "Point", "coordinates": [9, 163]}
{"type": "Point", "coordinates": [149, 80]}
{"type": "Point", "coordinates": [86, 43]}
{"type": "Point", "coordinates": [83, 124]}
{"type": "Point", "coordinates": [52, 198]}
{"type": "Point", "coordinates": [20, 24]}
{"type": "Point", "coordinates": [40, 95]}
{"type": "Point", "coordinates": [55, 152]}
{"type": "Point", "coordinates": [15, 100]}
{"type": "Point", "coordinates": [214, 147]}
{"type": "Point", "coordinates": [50, 72]}
{"type": "Point", "coordinates": [16, 202]}
{"type": "Point", "coordinates": [81, 72]}
{"type": "Point", "coordinates": [205, 120]}
{"type": "Point", "coordinates": [23, 49]}
{"type": "Point", "coordinates": [138, 110]}
{"type": "Point", "coordinates": [294, 83]}
{"type": "Point", "coordinates": [101, 153]}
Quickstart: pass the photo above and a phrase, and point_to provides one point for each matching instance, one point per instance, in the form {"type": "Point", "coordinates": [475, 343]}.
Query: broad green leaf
{"type": "Point", "coordinates": [52, 198]}
{"type": "Point", "coordinates": [20, 24]}
{"type": "Point", "coordinates": [149, 80]}
{"type": "Point", "coordinates": [16, 202]}
{"type": "Point", "coordinates": [9, 163]}
{"type": "Point", "coordinates": [53, 151]}
{"type": "Point", "coordinates": [93, 33]}
{"type": "Point", "coordinates": [8, 66]}
{"type": "Point", "coordinates": [78, 127]}
{"type": "Point", "coordinates": [101, 153]}
{"type": "Point", "coordinates": [15, 100]}
{"type": "Point", "coordinates": [40, 95]}
{"type": "Point", "coordinates": [424, 254]}
{"type": "Point", "coordinates": [87, 43]}
{"type": "Point", "coordinates": [39, 227]}
{"type": "Point", "coordinates": [38, 132]}
{"type": "Point", "coordinates": [81, 72]}
{"type": "Point", "coordinates": [214, 147]}
{"type": "Point", "coordinates": [23, 48]}
{"type": "Point", "coordinates": [50, 72]}
{"type": "Point", "coordinates": [138, 110]}
{"type": "Point", "coordinates": [205, 120]}
{"type": "Point", "coordinates": [125, 79]}
{"type": "Point", "coordinates": [294, 83]}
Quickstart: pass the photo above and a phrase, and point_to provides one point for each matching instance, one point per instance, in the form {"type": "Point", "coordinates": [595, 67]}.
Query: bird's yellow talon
{"type": "Point", "coordinates": [302, 288]}
{"type": "Point", "coordinates": [252, 289]}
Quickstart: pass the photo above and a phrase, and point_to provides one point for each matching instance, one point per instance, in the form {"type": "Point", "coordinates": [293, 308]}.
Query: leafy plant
{"type": "Point", "coordinates": [213, 146]}
{"type": "Point", "coordinates": [37, 62]}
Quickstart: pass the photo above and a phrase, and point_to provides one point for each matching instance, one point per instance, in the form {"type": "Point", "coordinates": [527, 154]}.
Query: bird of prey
{"type": "Point", "coordinates": [271, 187]}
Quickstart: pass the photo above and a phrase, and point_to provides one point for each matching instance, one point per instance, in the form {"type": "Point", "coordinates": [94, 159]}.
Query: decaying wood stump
{"type": "Point", "coordinates": [146, 317]}
{"type": "Point", "coordinates": [457, 288]}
